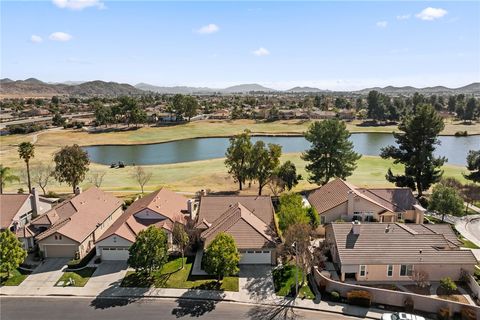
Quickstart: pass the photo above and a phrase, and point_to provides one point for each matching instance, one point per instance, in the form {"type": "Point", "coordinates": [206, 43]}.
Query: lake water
{"type": "Point", "coordinates": [454, 148]}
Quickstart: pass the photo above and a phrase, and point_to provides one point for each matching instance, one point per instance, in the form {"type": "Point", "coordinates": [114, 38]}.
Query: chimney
{"type": "Point", "coordinates": [203, 192]}
{"type": "Point", "coordinates": [35, 202]}
{"type": "Point", "coordinates": [191, 209]}
{"type": "Point", "coordinates": [78, 190]}
{"type": "Point", "coordinates": [350, 197]}
{"type": "Point", "coordinates": [356, 227]}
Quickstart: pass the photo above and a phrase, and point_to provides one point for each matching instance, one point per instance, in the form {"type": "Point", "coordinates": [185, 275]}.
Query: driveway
{"type": "Point", "coordinates": [108, 274]}
{"type": "Point", "coordinates": [256, 282]}
{"type": "Point", "coordinates": [46, 274]}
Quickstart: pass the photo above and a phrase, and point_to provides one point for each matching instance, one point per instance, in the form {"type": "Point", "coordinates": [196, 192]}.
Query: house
{"type": "Point", "coordinates": [340, 200]}
{"type": "Point", "coordinates": [346, 114]}
{"type": "Point", "coordinates": [374, 252]}
{"type": "Point", "coordinates": [71, 229]}
{"type": "Point", "coordinates": [248, 219]}
{"type": "Point", "coordinates": [161, 208]}
{"type": "Point", "coordinates": [320, 114]}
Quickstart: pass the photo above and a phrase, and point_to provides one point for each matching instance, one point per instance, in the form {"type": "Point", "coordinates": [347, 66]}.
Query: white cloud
{"type": "Point", "coordinates": [78, 4]}
{"type": "Point", "coordinates": [261, 52]}
{"type": "Point", "coordinates": [209, 28]}
{"type": "Point", "coordinates": [404, 16]}
{"type": "Point", "coordinates": [382, 24]}
{"type": "Point", "coordinates": [429, 14]}
{"type": "Point", "coordinates": [60, 36]}
{"type": "Point", "coordinates": [36, 39]}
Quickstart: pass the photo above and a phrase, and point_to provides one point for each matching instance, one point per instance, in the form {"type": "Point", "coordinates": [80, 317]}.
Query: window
{"type": "Point", "coordinates": [363, 271]}
{"type": "Point", "coordinates": [390, 270]}
{"type": "Point", "coordinates": [56, 238]}
{"type": "Point", "coordinates": [406, 270]}
{"type": "Point", "coordinates": [322, 219]}
{"type": "Point", "coordinates": [400, 216]}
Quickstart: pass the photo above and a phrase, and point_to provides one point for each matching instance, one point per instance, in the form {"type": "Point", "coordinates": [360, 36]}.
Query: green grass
{"type": "Point", "coordinates": [80, 277]}
{"type": "Point", "coordinates": [469, 244]}
{"type": "Point", "coordinates": [171, 276]}
{"type": "Point", "coordinates": [16, 277]}
{"type": "Point", "coordinates": [284, 282]}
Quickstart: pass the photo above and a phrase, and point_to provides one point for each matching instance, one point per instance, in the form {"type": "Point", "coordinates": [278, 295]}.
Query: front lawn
{"type": "Point", "coordinates": [80, 277]}
{"type": "Point", "coordinates": [16, 277]}
{"type": "Point", "coordinates": [171, 276]}
{"type": "Point", "coordinates": [284, 282]}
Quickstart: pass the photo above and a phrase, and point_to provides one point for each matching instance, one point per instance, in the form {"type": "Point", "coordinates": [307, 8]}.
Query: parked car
{"type": "Point", "coordinates": [121, 164]}
{"type": "Point", "coordinates": [401, 316]}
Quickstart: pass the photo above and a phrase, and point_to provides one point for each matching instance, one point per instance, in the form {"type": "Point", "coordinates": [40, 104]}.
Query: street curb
{"type": "Point", "coordinates": [190, 298]}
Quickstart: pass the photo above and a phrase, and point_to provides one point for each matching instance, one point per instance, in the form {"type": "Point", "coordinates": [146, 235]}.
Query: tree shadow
{"type": "Point", "coordinates": [259, 284]}
{"type": "Point", "coordinates": [196, 302]}
{"type": "Point", "coordinates": [282, 311]}
{"type": "Point", "coordinates": [117, 296]}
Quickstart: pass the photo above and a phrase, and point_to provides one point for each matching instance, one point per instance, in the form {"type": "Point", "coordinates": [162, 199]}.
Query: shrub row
{"type": "Point", "coordinates": [79, 263]}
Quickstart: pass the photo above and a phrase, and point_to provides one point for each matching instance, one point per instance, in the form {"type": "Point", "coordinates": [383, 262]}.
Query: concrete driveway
{"type": "Point", "coordinates": [108, 274]}
{"type": "Point", "coordinates": [256, 282]}
{"type": "Point", "coordinates": [46, 274]}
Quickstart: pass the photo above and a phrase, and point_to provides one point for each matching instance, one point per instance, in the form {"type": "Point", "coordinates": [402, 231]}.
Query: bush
{"type": "Point", "coordinates": [335, 295]}
{"type": "Point", "coordinates": [461, 134]}
{"type": "Point", "coordinates": [359, 298]}
{"type": "Point", "coordinates": [25, 128]}
{"type": "Point", "coordinates": [51, 194]}
{"type": "Point", "coordinates": [79, 263]}
{"type": "Point", "coordinates": [443, 314]}
{"type": "Point", "coordinates": [448, 285]}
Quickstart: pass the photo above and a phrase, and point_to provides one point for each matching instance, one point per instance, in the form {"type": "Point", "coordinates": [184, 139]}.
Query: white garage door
{"type": "Point", "coordinates": [255, 257]}
{"type": "Point", "coordinates": [112, 253]}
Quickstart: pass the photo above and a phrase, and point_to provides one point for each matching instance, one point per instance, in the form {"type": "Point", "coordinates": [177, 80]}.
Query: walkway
{"type": "Point", "coordinates": [45, 275]}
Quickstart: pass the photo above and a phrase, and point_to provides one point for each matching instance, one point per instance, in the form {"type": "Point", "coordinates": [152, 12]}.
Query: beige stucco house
{"type": "Point", "coordinates": [340, 200]}
{"type": "Point", "coordinates": [162, 208]}
{"type": "Point", "coordinates": [71, 229]}
{"type": "Point", "coordinates": [379, 252]}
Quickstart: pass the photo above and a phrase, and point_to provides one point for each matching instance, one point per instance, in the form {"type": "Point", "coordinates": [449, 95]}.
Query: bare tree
{"type": "Point", "coordinates": [96, 178]}
{"type": "Point", "coordinates": [42, 175]}
{"type": "Point", "coordinates": [297, 242]}
{"type": "Point", "coordinates": [420, 277]}
{"type": "Point", "coordinates": [141, 176]}
{"type": "Point", "coordinates": [470, 193]}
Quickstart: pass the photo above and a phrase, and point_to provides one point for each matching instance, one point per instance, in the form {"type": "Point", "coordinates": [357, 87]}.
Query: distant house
{"type": "Point", "coordinates": [17, 210]}
{"type": "Point", "coordinates": [346, 114]}
{"type": "Point", "coordinates": [161, 208]}
{"type": "Point", "coordinates": [71, 229]}
{"type": "Point", "coordinates": [377, 252]}
{"type": "Point", "coordinates": [248, 219]}
{"type": "Point", "coordinates": [318, 114]}
{"type": "Point", "coordinates": [221, 114]}
{"type": "Point", "coordinates": [339, 199]}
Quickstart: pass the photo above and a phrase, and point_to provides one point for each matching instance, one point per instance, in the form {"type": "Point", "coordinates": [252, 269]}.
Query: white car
{"type": "Point", "coordinates": [401, 316]}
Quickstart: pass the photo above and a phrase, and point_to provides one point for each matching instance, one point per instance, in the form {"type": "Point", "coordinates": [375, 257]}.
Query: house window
{"type": "Point", "coordinates": [363, 271]}
{"type": "Point", "coordinates": [406, 270]}
{"type": "Point", "coordinates": [400, 216]}
{"type": "Point", "coordinates": [60, 237]}
{"type": "Point", "coordinates": [322, 219]}
{"type": "Point", "coordinates": [390, 270]}
{"type": "Point", "coordinates": [56, 238]}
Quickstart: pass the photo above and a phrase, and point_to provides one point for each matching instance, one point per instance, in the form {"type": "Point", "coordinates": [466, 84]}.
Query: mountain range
{"type": "Point", "coordinates": [35, 88]}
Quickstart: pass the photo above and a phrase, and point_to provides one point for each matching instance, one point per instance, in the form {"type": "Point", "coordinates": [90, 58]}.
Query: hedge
{"type": "Point", "coordinates": [359, 298]}
{"type": "Point", "coordinates": [79, 263]}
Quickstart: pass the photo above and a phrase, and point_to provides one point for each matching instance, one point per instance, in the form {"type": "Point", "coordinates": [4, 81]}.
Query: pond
{"type": "Point", "coordinates": [454, 148]}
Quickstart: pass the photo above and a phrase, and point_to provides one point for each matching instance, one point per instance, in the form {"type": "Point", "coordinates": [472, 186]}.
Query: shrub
{"type": "Point", "coordinates": [79, 263]}
{"type": "Point", "coordinates": [360, 298]}
{"type": "Point", "coordinates": [443, 314]}
{"type": "Point", "coordinates": [461, 134]}
{"type": "Point", "coordinates": [51, 194]}
{"type": "Point", "coordinates": [335, 295]}
{"type": "Point", "coordinates": [448, 285]}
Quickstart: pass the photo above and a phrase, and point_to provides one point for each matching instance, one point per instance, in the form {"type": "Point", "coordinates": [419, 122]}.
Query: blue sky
{"type": "Point", "coordinates": [331, 45]}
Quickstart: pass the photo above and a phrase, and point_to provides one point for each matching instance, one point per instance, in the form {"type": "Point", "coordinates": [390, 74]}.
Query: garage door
{"type": "Point", "coordinates": [60, 251]}
{"type": "Point", "coordinates": [255, 257]}
{"type": "Point", "coordinates": [112, 253]}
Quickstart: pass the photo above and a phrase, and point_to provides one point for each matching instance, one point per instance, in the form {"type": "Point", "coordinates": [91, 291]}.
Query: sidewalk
{"type": "Point", "coordinates": [133, 294]}
{"type": "Point", "coordinates": [463, 225]}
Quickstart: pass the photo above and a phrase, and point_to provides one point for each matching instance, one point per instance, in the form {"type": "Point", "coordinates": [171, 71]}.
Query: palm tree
{"type": "Point", "coordinates": [26, 151]}
{"type": "Point", "coordinates": [6, 175]}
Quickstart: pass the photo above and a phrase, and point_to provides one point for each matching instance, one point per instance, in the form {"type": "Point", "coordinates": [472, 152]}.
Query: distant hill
{"type": "Point", "coordinates": [473, 88]}
{"type": "Point", "coordinates": [244, 88]}
{"type": "Point", "coordinates": [305, 89]}
{"type": "Point", "coordinates": [174, 90]}
{"type": "Point", "coordinates": [36, 88]}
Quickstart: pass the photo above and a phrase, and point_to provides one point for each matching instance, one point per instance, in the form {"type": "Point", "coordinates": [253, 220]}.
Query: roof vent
{"type": "Point", "coordinates": [387, 229]}
{"type": "Point", "coordinates": [356, 227]}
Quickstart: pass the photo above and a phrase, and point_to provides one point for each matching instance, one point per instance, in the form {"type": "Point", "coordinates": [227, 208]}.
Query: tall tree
{"type": "Point", "coordinates": [149, 252]}
{"type": "Point", "coordinates": [71, 165]}
{"type": "Point", "coordinates": [238, 157]}
{"type": "Point", "coordinates": [103, 114]}
{"type": "Point", "coordinates": [180, 239]}
{"type": "Point", "coordinates": [141, 176]}
{"type": "Point", "coordinates": [331, 154]}
{"type": "Point", "coordinates": [12, 253]}
{"type": "Point", "coordinates": [375, 106]}
{"type": "Point", "coordinates": [291, 211]}
{"type": "Point", "coordinates": [285, 177]}
{"type": "Point", "coordinates": [473, 165]}
{"type": "Point", "coordinates": [190, 106]}
{"type": "Point", "coordinates": [263, 162]}
{"type": "Point", "coordinates": [446, 200]}
{"type": "Point", "coordinates": [297, 242]}
{"type": "Point", "coordinates": [470, 109]}
{"type": "Point", "coordinates": [42, 174]}
{"type": "Point", "coordinates": [6, 176]}
{"type": "Point", "coordinates": [221, 256]}
{"type": "Point", "coordinates": [416, 144]}
{"type": "Point", "coordinates": [26, 151]}
{"type": "Point", "coordinates": [452, 103]}
{"type": "Point", "coordinates": [178, 104]}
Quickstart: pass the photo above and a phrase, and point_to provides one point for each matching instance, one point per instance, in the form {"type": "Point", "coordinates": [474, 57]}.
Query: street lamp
{"type": "Point", "coordinates": [294, 245]}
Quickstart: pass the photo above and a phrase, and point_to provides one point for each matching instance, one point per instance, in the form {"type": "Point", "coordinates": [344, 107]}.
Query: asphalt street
{"type": "Point", "coordinates": [116, 309]}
